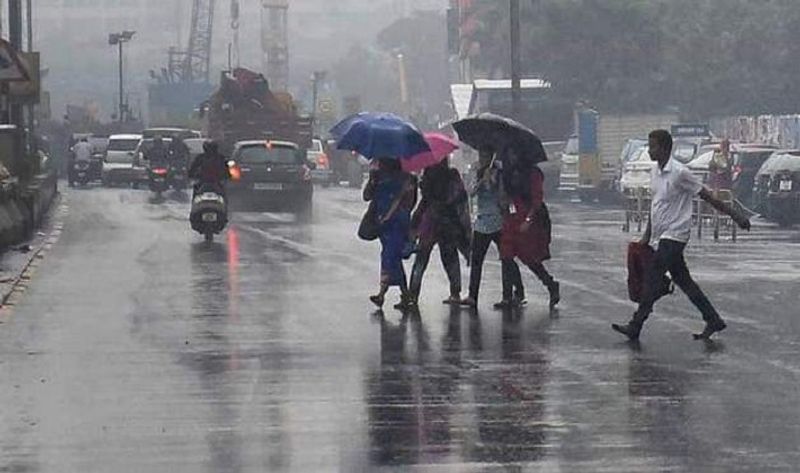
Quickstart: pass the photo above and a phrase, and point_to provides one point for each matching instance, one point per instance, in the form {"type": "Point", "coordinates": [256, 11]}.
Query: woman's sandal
{"type": "Point", "coordinates": [405, 304]}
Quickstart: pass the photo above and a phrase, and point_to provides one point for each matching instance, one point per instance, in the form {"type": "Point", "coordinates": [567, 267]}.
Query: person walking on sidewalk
{"type": "Point", "coordinates": [487, 227]}
{"type": "Point", "coordinates": [673, 189]}
{"type": "Point", "coordinates": [439, 220]}
{"type": "Point", "coordinates": [527, 228]}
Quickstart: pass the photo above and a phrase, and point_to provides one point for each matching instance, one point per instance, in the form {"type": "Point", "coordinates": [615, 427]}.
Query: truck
{"type": "Point", "coordinates": [593, 170]}
{"type": "Point", "coordinates": [244, 108]}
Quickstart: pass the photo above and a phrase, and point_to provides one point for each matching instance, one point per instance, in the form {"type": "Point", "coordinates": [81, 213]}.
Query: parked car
{"type": "Point", "coordinates": [684, 150]}
{"type": "Point", "coordinates": [777, 188]}
{"type": "Point", "coordinates": [118, 167]}
{"type": "Point", "coordinates": [322, 174]}
{"type": "Point", "coordinates": [271, 176]}
{"type": "Point", "coordinates": [701, 164]}
{"type": "Point", "coordinates": [166, 132]}
{"type": "Point", "coordinates": [636, 171]}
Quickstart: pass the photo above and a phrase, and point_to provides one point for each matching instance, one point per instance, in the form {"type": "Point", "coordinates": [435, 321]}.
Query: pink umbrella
{"type": "Point", "coordinates": [441, 147]}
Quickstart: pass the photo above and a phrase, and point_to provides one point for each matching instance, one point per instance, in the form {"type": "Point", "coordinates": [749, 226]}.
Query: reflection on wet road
{"type": "Point", "coordinates": [140, 348]}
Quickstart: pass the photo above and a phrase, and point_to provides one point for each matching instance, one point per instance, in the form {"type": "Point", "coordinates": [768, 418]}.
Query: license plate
{"type": "Point", "coordinates": [81, 174]}
{"type": "Point", "coordinates": [267, 186]}
{"type": "Point", "coordinates": [159, 179]}
{"type": "Point", "coordinates": [786, 185]}
{"type": "Point", "coordinates": [210, 217]}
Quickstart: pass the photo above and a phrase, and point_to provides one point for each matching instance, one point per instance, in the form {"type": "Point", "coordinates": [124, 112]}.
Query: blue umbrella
{"type": "Point", "coordinates": [379, 135]}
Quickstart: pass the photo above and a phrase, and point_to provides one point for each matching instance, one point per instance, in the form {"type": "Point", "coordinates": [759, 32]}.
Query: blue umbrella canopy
{"type": "Point", "coordinates": [379, 135]}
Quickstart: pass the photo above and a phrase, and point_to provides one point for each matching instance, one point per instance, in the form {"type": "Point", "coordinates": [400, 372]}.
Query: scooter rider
{"type": "Point", "coordinates": [210, 168]}
{"type": "Point", "coordinates": [157, 154]}
{"type": "Point", "coordinates": [81, 152]}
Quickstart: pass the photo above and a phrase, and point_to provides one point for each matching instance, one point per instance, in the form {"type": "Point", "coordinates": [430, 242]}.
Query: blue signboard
{"type": "Point", "coordinates": [587, 132]}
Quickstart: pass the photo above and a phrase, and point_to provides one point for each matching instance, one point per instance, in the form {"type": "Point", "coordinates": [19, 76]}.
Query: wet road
{"type": "Point", "coordinates": [139, 348]}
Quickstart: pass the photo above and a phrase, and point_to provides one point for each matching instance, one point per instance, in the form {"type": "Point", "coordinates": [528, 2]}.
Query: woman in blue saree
{"type": "Point", "coordinates": [394, 194]}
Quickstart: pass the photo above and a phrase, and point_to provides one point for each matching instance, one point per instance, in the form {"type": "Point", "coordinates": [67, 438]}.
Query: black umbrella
{"type": "Point", "coordinates": [498, 132]}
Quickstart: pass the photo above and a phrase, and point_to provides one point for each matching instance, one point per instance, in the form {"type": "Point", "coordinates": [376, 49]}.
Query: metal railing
{"type": "Point", "coordinates": [637, 211]}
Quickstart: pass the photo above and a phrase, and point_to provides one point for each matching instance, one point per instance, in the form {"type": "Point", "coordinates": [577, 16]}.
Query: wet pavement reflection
{"type": "Point", "coordinates": [155, 351]}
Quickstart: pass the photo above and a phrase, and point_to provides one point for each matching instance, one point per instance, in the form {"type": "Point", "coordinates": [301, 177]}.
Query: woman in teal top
{"type": "Point", "coordinates": [487, 228]}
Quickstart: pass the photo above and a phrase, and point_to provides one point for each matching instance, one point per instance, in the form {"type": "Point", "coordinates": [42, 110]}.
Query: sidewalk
{"type": "Point", "coordinates": [17, 262]}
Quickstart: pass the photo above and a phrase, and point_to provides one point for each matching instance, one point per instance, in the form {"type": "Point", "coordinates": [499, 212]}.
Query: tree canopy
{"type": "Point", "coordinates": [706, 57]}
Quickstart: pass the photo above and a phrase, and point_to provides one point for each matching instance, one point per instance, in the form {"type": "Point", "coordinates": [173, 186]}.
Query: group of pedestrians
{"type": "Point", "coordinates": [511, 213]}
{"type": "Point", "coordinates": [418, 215]}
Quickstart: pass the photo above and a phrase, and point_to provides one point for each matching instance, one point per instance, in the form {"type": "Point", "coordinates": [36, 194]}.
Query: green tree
{"type": "Point", "coordinates": [707, 57]}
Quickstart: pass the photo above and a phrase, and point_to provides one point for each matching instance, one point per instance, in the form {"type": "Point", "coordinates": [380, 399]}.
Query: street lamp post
{"type": "Point", "coordinates": [516, 92]}
{"type": "Point", "coordinates": [118, 39]}
{"type": "Point", "coordinates": [316, 78]}
{"type": "Point", "coordinates": [403, 79]}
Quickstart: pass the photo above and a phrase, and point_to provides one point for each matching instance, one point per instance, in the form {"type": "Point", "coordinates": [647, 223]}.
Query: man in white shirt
{"type": "Point", "coordinates": [82, 150]}
{"type": "Point", "coordinates": [673, 188]}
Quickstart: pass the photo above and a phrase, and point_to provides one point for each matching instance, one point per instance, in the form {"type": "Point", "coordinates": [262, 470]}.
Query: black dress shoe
{"type": "Point", "coordinates": [503, 305]}
{"type": "Point", "coordinates": [630, 331]}
{"type": "Point", "coordinates": [711, 329]}
{"type": "Point", "coordinates": [377, 300]}
{"type": "Point", "coordinates": [555, 293]}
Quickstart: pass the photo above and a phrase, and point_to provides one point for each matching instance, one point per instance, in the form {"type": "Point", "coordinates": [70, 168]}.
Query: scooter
{"type": "Point", "coordinates": [80, 173]}
{"type": "Point", "coordinates": [158, 179]}
{"type": "Point", "coordinates": [209, 214]}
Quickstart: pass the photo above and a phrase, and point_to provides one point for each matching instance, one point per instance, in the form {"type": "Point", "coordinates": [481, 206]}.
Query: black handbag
{"type": "Point", "coordinates": [370, 228]}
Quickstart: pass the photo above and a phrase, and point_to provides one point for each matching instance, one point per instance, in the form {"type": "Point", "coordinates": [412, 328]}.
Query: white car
{"type": "Point", "coordinates": [321, 172]}
{"type": "Point", "coordinates": [120, 159]}
{"type": "Point", "coordinates": [636, 173]}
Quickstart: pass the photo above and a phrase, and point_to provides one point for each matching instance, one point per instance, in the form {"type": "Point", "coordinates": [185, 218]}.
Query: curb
{"type": "Point", "coordinates": [52, 220]}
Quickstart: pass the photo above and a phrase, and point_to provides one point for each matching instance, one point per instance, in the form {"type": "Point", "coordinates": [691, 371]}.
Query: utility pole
{"type": "Point", "coordinates": [118, 39]}
{"type": "Point", "coordinates": [316, 78]}
{"type": "Point", "coordinates": [403, 79]}
{"type": "Point", "coordinates": [29, 14]}
{"type": "Point", "coordinates": [15, 38]}
{"type": "Point", "coordinates": [516, 80]}
{"type": "Point", "coordinates": [32, 141]}
{"type": "Point", "coordinates": [121, 87]}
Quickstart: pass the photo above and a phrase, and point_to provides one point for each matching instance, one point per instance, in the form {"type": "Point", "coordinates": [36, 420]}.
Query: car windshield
{"type": "Point", "coordinates": [751, 160]}
{"type": "Point", "coordinates": [631, 150]}
{"type": "Point", "coordinates": [316, 146]}
{"type": "Point", "coordinates": [123, 145]}
{"type": "Point", "coordinates": [684, 152]}
{"type": "Point", "coordinates": [146, 145]}
{"type": "Point", "coordinates": [268, 154]}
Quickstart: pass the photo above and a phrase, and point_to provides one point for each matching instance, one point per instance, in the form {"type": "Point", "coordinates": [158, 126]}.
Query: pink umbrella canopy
{"type": "Point", "coordinates": [441, 147]}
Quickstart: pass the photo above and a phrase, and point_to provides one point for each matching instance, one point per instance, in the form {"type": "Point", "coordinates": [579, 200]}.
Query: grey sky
{"type": "Point", "coordinates": [72, 36]}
